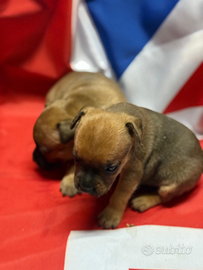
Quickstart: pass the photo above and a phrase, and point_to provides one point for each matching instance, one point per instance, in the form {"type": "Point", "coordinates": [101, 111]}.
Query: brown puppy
{"type": "Point", "coordinates": [52, 134]}
{"type": "Point", "coordinates": [143, 148]}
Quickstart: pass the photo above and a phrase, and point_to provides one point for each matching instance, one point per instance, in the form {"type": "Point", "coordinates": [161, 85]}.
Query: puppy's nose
{"type": "Point", "coordinates": [85, 187]}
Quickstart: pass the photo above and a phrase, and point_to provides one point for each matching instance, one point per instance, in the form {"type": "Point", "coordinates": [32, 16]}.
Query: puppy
{"type": "Point", "coordinates": [138, 146]}
{"type": "Point", "coordinates": [52, 133]}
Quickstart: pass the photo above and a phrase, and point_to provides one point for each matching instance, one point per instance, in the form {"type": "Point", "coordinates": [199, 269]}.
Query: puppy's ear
{"type": "Point", "coordinates": [84, 110]}
{"type": "Point", "coordinates": [76, 119]}
{"type": "Point", "coordinates": [65, 132]}
{"type": "Point", "coordinates": [134, 127]}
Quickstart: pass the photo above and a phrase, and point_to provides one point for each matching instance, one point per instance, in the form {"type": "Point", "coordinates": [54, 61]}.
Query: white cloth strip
{"type": "Point", "coordinates": [140, 247]}
{"type": "Point", "coordinates": [88, 53]}
{"type": "Point", "coordinates": [191, 118]}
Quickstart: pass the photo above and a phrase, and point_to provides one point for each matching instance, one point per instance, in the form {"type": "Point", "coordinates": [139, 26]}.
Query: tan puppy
{"type": "Point", "coordinates": [52, 134]}
{"type": "Point", "coordinates": [139, 146]}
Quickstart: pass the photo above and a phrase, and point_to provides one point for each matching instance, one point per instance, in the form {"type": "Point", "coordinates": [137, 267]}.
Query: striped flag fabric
{"type": "Point", "coordinates": [154, 51]}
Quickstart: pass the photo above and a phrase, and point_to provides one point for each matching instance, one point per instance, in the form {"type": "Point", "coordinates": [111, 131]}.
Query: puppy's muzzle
{"type": "Point", "coordinates": [42, 162]}
{"type": "Point", "coordinates": [86, 188]}
{"type": "Point", "coordinates": [85, 185]}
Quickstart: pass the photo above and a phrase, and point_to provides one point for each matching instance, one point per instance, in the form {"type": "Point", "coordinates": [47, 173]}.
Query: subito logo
{"type": "Point", "coordinates": [147, 249]}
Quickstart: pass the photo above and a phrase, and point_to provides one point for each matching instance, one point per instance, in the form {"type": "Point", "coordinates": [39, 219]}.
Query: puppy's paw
{"type": "Point", "coordinates": [109, 218]}
{"type": "Point", "coordinates": [68, 187]}
{"type": "Point", "coordinates": [144, 202]}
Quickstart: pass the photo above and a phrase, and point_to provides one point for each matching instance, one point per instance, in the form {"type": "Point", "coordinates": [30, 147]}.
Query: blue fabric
{"type": "Point", "coordinates": [125, 26]}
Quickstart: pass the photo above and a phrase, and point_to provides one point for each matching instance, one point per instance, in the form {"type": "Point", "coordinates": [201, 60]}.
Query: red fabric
{"type": "Point", "coordinates": [35, 220]}
{"type": "Point", "coordinates": [35, 43]}
{"type": "Point", "coordinates": [186, 97]}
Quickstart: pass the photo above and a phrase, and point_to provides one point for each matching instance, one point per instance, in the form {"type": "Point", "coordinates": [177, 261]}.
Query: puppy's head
{"type": "Point", "coordinates": [102, 147]}
{"type": "Point", "coordinates": [53, 138]}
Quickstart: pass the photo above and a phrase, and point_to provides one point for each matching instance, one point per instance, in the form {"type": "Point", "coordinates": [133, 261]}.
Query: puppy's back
{"type": "Point", "coordinates": [163, 134]}
{"type": "Point", "coordinates": [87, 83]}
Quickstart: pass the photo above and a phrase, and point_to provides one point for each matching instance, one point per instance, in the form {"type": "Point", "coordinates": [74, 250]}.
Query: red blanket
{"type": "Point", "coordinates": [35, 220]}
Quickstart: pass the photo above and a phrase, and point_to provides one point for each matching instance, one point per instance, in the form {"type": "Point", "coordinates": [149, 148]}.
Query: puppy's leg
{"type": "Point", "coordinates": [143, 202]}
{"type": "Point", "coordinates": [183, 176]}
{"type": "Point", "coordinates": [112, 214]}
{"type": "Point", "coordinates": [67, 183]}
{"type": "Point", "coordinates": [165, 194]}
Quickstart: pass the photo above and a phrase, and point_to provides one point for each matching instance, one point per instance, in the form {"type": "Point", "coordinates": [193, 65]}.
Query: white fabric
{"type": "Point", "coordinates": [190, 117]}
{"type": "Point", "coordinates": [88, 53]}
{"type": "Point", "coordinates": [141, 247]}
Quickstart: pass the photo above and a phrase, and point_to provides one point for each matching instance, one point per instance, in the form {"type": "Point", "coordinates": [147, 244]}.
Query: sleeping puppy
{"type": "Point", "coordinates": [52, 133]}
{"type": "Point", "coordinates": [138, 146]}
